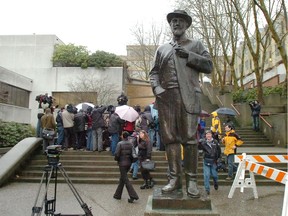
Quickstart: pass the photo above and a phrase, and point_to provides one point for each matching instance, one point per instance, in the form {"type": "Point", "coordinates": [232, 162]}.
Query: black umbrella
{"type": "Point", "coordinates": [226, 111]}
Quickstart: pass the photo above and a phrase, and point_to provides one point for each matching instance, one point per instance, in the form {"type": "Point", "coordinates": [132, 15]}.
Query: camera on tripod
{"type": "Point", "coordinates": [50, 172]}
{"type": "Point", "coordinates": [53, 154]}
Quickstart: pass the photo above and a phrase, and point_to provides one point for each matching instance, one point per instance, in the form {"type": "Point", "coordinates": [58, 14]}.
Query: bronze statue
{"type": "Point", "coordinates": [175, 82]}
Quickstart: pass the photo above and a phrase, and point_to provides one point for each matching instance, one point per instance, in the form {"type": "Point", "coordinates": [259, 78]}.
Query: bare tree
{"type": "Point", "coordinates": [254, 41]}
{"type": "Point", "coordinates": [276, 8]}
{"type": "Point", "coordinates": [142, 53]}
{"type": "Point", "coordinates": [212, 25]}
{"type": "Point", "coordinates": [105, 91]}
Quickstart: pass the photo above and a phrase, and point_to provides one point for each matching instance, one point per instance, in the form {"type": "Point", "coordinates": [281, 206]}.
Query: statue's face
{"type": "Point", "coordinates": [178, 26]}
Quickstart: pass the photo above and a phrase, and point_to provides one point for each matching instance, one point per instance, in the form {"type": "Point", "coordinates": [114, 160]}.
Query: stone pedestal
{"type": "Point", "coordinates": [178, 205]}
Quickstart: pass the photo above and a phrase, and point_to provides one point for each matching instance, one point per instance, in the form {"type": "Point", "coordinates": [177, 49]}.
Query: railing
{"type": "Point", "coordinates": [219, 100]}
{"type": "Point", "coordinates": [209, 92]}
{"type": "Point", "coordinates": [264, 120]}
{"type": "Point", "coordinates": [235, 109]}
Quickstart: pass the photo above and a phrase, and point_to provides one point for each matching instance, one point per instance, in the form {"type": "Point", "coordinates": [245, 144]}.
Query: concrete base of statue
{"type": "Point", "coordinates": [178, 204]}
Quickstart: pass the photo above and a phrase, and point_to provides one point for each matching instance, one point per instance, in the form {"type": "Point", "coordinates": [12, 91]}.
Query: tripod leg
{"type": "Point", "coordinates": [74, 191]}
{"type": "Point", "coordinates": [36, 211]}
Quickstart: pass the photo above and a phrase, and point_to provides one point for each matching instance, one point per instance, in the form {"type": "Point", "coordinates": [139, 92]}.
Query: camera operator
{"type": "Point", "coordinates": [255, 112]}
{"type": "Point", "coordinates": [44, 101]}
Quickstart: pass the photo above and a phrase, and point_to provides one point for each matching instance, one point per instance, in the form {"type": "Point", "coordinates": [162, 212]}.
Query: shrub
{"type": "Point", "coordinates": [11, 133]}
{"type": "Point", "coordinates": [243, 96]}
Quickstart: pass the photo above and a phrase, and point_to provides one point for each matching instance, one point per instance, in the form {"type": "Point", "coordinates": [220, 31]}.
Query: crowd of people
{"type": "Point", "coordinates": [100, 128]}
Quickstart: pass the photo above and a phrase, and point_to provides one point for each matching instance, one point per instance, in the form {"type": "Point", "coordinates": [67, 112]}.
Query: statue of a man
{"type": "Point", "coordinates": [175, 83]}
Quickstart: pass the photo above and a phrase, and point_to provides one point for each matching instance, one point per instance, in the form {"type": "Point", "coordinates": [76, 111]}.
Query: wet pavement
{"type": "Point", "coordinates": [17, 199]}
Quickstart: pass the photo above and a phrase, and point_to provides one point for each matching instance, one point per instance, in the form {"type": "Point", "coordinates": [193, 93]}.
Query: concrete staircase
{"type": "Point", "coordinates": [100, 168]}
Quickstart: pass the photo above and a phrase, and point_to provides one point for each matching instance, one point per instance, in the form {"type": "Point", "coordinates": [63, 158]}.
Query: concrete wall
{"type": "Point", "coordinates": [11, 113]}
{"type": "Point", "coordinates": [27, 51]}
{"type": "Point", "coordinates": [278, 132]}
{"type": "Point", "coordinates": [57, 79]}
{"type": "Point", "coordinates": [51, 80]}
{"type": "Point", "coordinates": [15, 79]}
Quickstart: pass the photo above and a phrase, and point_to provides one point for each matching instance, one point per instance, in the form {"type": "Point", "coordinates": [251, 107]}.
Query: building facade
{"type": "Point", "coordinates": [26, 70]}
{"type": "Point", "coordinates": [274, 71]}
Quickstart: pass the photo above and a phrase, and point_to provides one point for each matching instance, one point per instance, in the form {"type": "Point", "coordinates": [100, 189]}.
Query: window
{"type": "Point", "coordinates": [13, 95]}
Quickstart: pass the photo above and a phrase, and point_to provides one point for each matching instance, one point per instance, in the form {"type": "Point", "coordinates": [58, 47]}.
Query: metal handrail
{"type": "Point", "coordinates": [235, 109]}
{"type": "Point", "coordinates": [266, 122]}
{"type": "Point", "coordinates": [219, 100]}
{"type": "Point", "coordinates": [208, 91]}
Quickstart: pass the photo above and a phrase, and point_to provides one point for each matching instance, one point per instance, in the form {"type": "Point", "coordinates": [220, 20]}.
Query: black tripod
{"type": "Point", "coordinates": [50, 172]}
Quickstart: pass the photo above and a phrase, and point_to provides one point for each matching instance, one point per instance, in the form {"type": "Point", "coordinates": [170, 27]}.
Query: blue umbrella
{"type": "Point", "coordinates": [226, 111]}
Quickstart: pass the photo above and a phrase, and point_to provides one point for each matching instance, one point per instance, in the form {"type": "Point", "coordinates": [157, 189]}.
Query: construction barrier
{"type": "Point", "coordinates": [263, 158]}
{"type": "Point", "coordinates": [250, 163]}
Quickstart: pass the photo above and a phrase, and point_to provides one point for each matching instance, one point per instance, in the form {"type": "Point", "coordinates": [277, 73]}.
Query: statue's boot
{"type": "Point", "coordinates": [190, 168]}
{"type": "Point", "coordinates": [173, 152]}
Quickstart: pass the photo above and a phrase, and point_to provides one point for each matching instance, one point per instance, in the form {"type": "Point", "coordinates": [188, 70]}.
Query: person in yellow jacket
{"type": "Point", "coordinates": [216, 126]}
{"type": "Point", "coordinates": [231, 140]}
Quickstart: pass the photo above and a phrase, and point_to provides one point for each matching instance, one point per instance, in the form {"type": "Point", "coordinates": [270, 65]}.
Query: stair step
{"type": "Point", "coordinates": [139, 181]}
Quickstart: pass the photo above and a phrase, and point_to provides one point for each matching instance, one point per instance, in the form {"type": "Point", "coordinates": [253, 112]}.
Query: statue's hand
{"type": "Point", "coordinates": [181, 52]}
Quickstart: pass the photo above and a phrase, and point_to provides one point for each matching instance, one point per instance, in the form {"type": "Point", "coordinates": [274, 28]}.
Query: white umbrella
{"type": "Point", "coordinates": [84, 106]}
{"type": "Point", "coordinates": [127, 113]}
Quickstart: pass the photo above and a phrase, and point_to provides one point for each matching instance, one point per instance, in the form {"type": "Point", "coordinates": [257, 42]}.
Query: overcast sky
{"type": "Point", "coordinates": [98, 24]}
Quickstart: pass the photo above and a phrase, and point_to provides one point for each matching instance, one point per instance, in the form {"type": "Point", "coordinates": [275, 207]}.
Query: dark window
{"type": "Point", "coordinates": [13, 95]}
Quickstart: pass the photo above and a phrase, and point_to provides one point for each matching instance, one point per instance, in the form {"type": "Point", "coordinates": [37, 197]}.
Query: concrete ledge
{"type": "Point", "coordinates": [12, 160]}
{"type": "Point", "coordinates": [4, 150]}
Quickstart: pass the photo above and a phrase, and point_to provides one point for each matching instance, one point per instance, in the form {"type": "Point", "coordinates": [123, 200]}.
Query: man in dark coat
{"type": "Point", "coordinates": [115, 129]}
{"type": "Point", "coordinates": [97, 127]}
{"type": "Point", "coordinates": [79, 128]}
{"type": "Point", "coordinates": [255, 112]}
{"type": "Point", "coordinates": [175, 83]}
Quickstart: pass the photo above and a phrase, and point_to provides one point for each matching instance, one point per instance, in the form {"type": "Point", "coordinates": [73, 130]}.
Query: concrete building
{"type": "Point", "coordinates": [26, 66]}
{"type": "Point", "coordinates": [139, 60]}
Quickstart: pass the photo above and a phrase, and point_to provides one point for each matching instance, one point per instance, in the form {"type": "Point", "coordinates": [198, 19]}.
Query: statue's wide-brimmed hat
{"type": "Point", "coordinates": [181, 14]}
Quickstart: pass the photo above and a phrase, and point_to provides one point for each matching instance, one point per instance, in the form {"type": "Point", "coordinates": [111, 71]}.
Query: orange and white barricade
{"type": "Point", "coordinates": [250, 163]}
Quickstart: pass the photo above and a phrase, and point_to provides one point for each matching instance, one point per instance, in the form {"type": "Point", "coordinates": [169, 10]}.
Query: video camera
{"type": "Point", "coordinates": [44, 99]}
{"type": "Point", "coordinates": [53, 154]}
